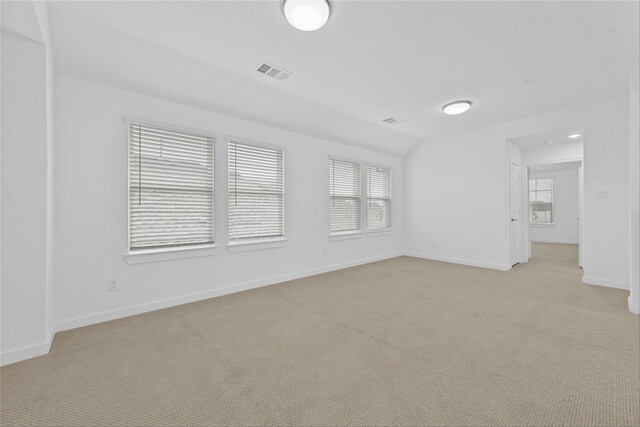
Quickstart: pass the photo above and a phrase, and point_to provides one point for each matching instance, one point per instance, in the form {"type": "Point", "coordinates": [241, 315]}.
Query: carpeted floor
{"type": "Point", "coordinates": [398, 342]}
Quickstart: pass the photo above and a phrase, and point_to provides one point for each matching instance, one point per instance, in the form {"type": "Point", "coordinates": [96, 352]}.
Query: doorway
{"type": "Point", "coordinates": [550, 194]}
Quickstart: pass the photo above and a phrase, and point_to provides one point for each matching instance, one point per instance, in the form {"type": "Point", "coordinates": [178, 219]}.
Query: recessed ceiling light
{"type": "Point", "coordinates": [574, 135]}
{"type": "Point", "coordinates": [307, 15]}
{"type": "Point", "coordinates": [456, 107]}
{"type": "Point", "coordinates": [548, 142]}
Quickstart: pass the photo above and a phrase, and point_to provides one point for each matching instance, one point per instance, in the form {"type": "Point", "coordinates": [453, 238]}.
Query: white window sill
{"type": "Point", "coordinates": [379, 233]}
{"type": "Point", "coordinates": [542, 225]}
{"type": "Point", "coordinates": [255, 245]}
{"type": "Point", "coordinates": [157, 255]}
{"type": "Point", "coordinates": [345, 235]}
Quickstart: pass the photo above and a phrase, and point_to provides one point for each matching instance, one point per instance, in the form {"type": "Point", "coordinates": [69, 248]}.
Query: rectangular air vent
{"type": "Point", "coordinates": [273, 71]}
{"type": "Point", "coordinates": [392, 121]}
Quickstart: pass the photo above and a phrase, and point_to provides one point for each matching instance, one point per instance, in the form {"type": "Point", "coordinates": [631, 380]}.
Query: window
{"type": "Point", "coordinates": [170, 188]}
{"type": "Point", "coordinates": [256, 192]}
{"type": "Point", "coordinates": [378, 198]}
{"type": "Point", "coordinates": [345, 198]}
{"type": "Point", "coordinates": [541, 201]}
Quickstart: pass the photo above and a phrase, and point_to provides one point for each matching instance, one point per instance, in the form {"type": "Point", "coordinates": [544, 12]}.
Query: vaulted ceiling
{"type": "Point", "coordinates": [373, 60]}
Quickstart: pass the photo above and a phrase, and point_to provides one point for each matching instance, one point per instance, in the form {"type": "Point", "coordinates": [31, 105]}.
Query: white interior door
{"type": "Point", "coordinates": [514, 210]}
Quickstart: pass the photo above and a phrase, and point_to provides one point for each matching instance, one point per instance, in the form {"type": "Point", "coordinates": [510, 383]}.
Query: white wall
{"type": "Point", "coordinates": [565, 207]}
{"type": "Point", "coordinates": [634, 187]}
{"type": "Point", "coordinates": [91, 209]}
{"type": "Point", "coordinates": [24, 194]}
{"type": "Point", "coordinates": [455, 191]}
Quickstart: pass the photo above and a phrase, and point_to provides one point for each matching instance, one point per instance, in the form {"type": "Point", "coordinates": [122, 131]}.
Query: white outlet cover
{"type": "Point", "coordinates": [112, 285]}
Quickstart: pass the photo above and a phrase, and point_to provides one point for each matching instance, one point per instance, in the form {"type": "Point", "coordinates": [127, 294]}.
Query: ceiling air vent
{"type": "Point", "coordinates": [392, 121]}
{"type": "Point", "coordinates": [273, 71]}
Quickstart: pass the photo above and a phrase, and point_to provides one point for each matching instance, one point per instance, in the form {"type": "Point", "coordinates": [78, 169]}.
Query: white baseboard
{"type": "Point", "coordinates": [562, 242]}
{"type": "Point", "coordinates": [471, 263]}
{"type": "Point", "coordinates": [18, 355]}
{"type": "Point", "coordinates": [78, 322]}
{"type": "Point", "coordinates": [598, 281]}
{"type": "Point", "coordinates": [25, 353]}
{"type": "Point", "coordinates": [634, 308]}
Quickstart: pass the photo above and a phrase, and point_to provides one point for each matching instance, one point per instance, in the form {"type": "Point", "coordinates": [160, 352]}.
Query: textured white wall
{"type": "Point", "coordinates": [24, 193]}
{"type": "Point", "coordinates": [455, 191]}
{"type": "Point", "coordinates": [91, 208]}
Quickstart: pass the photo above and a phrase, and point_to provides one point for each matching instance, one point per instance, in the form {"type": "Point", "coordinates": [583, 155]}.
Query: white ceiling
{"type": "Point", "coordinates": [373, 60]}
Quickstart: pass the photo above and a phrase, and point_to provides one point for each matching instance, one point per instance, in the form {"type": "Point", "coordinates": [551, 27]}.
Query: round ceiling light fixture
{"type": "Point", "coordinates": [574, 135]}
{"type": "Point", "coordinates": [307, 15]}
{"type": "Point", "coordinates": [456, 107]}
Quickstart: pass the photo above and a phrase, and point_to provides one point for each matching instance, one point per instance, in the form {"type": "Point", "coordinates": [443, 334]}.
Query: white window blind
{"type": "Point", "coordinates": [171, 194]}
{"type": "Point", "coordinates": [345, 196]}
{"type": "Point", "coordinates": [256, 192]}
{"type": "Point", "coordinates": [378, 198]}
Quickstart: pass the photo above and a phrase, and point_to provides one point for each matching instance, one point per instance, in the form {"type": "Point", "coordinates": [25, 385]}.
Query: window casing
{"type": "Point", "coordinates": [345, 204]}
{"type": "Point", "coordinates": [256, 192]}
{"type": "Point", "coordinates": [541, 201]}
{"type": "Point", "coordinates": [378, 198]}
{"type": "Point", "coordinates": [171, 188]}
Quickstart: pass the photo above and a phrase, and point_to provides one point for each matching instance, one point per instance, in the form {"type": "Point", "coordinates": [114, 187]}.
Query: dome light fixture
{"type": "Point", "coordinates": [574, 135]}
{"type": "Point", "coordinates": [456, 107]}
{"type": "Point", "coordinates": [307, 15]}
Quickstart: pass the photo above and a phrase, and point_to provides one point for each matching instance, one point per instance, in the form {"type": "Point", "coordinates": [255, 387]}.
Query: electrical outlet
{"type": "Point", "coordinates": [324, 252]}
{"type": "Point", "coordinates": [112, 285]}
{"type": "Point", "coordinates": [434, 244]}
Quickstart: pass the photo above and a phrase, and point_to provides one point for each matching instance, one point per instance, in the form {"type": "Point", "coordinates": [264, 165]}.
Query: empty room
{"type": "Point", "coordinates": [320, 213]}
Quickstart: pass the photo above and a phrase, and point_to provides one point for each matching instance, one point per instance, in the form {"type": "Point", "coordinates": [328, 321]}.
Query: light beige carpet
{"type": "Point", "coordinates": [399, 342]}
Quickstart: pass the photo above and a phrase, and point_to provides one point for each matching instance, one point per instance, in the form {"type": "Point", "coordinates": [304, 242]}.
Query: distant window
{"type": "Point", "coordinates": [541, 201]}
{"type": "Point", "coordinates": [378, 198]}
{"type": "Point", "coordinates": [256, 192]}
{"type": "Point", "coordinates": [170, 188]}
{"type": "Point", "coordinates": [345, 196]}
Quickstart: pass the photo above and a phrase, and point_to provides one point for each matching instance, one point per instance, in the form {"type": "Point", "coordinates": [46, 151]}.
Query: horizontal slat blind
{"type": "Point", "coordinates": [378, 198]}
{"type": "Point", "coordinates": [256, 192]}
{"type": "Point", "coordinates": [345, 196]}
{"type": "Point", "coordinates": [170, 188]}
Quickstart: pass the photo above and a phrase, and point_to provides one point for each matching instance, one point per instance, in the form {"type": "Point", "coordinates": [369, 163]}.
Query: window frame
{"type": "Point", "coordinates": [152, 254]}
{"type": "Point", "coordinates": [551, 223]}
{"type": "Point", "coordinates": [250, 244]}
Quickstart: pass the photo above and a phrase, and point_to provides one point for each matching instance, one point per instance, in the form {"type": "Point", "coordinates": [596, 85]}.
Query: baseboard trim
{"type": "Point", "coordinates": [634, 308]}
{"type": "Point", "coordinates": [598, 281]}
{"type": "Point", "coordinates": [470, 263]}
{"type": "Point", "coordinates": [24, 353]}
{"type": "Point", "coordinates": [79, 322]}
{"type": "Point", "coordinates": [561, 242]}
{"type": "Point", "coordinates": [21, 354]}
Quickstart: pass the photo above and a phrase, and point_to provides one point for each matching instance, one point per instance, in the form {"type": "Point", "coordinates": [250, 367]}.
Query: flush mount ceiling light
{"type": "Point", "coordinates": [307, 15]}
{"type": "Point", "coordinates": [548, 142]}
{"type": "Point", "coordinates": [574, 135]}
{"type": "Point", "coordinates": [456, 107]}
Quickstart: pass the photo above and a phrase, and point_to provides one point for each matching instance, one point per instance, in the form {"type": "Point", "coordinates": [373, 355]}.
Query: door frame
{"type": "Point", "coordinates": [518, 231]}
